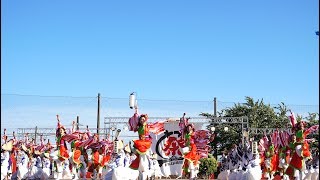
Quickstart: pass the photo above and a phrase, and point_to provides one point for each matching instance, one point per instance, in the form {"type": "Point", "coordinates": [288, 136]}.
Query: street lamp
{"type": "Point", "coordinates": [214, 147]}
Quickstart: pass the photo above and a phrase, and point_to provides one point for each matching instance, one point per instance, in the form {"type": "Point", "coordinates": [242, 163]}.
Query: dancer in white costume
{"type": "Point", "coordinates": [242, 160]}
{"type": "Point", "coordinates": [224, 167]}
{"type": "Point", "coordinates": [315, 165]}
{"type": "Point", "coordinates": [233, 163]}
{"type": "Point", "coordinates": [66, 173]}
{"type": "Point", "coordinates": [36, 169]}
{"type": "Point", "coordinates": [23, 165]}
{"type": "Point", "coordinates": [46, 166]}
{"type": "Point", "coordinates": [57, 165]}
{"type": "Point", "coordinates": [4, 163]}
{"type": "Point", "coordinates": [116, 172]}
{"type": "Point", "coordinates": [254, 169]}
{"type": "Point", "coordinates": [155, 168]}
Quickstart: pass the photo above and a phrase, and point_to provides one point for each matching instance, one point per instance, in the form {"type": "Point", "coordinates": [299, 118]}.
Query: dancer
{"type": "Point", "coordinates": [141, 147]}
{"type": "Point", "coordinates": [61, 144]}
{"type": "Point", "coordinates": [300, 153]}
{"type": "Point", "coordinates": [191, 157]}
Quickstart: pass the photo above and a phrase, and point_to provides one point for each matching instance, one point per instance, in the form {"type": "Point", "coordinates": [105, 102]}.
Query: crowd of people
{"type": "Point", "coordinates": [77, 155]}
{"type": "Point", "coordinates": [281, 155]}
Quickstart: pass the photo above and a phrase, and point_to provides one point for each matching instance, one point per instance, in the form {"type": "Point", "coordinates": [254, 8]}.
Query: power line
{"type": "Point", "coordinates": [48, 96]}
{"type": "Point", "coordinates": [111, 98]}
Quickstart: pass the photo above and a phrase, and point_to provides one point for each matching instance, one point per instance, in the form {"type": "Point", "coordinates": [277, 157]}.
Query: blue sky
{"type": "Point", "coordinates": [164, 50]}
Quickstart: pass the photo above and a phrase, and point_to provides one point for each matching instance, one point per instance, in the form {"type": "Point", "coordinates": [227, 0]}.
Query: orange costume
{"type": "Point", "coordinates": [300, 151]}
{"type": "Point", "coordinates": [61, 144]}
{"type": "Point", "coordinates": [191, 156]}
{"type": "Point", "coordinates": [143, 144]}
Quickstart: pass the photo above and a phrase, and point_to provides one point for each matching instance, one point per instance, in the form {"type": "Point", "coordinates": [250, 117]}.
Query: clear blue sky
{"type": "Point", "coordinates": [165, 50]}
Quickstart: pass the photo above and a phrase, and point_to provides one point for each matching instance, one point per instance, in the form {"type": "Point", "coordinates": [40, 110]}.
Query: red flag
{"type": "Point", "coordinates": [310, 130]}
{"type": "Point", "coordinates": [292, 119]}
{"type": "Point", "coordinates": [70, 137]}
{"type": "Point", "coordinates": [86, 143]}
{"type": "Point", "coordinates": [156, 127]}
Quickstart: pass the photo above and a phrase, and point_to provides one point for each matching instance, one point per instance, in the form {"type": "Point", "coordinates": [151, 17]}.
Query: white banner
{"type": "Point", "coordinates": [167, 146]}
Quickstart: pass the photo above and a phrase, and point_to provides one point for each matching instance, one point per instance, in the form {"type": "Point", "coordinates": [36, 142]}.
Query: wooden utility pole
{"type": "Point", "coordinates": [215, 107]}
{"type": "Point", "coordinates": [35, 135]}
{"type": "Point", "coordinates": [77, 122]}
{"type": "Point", "coordinates": [98, 114]}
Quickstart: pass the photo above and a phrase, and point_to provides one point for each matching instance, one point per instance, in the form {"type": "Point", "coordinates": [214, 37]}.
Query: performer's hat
{"type": "Point", "coordinates": [47, 155]}
{"type": "Point", "coordinates": [127, 148]}
{"type": "Point", "coordinates": [25, 149]}
{"type": "Point", "coordinates": [7, 146]}
{"type": "Point", "coordinates": [120, 144]}
{"type": "Point", "coordinates": [154, 156]}
{"type": "Point", "coordinates": [37, 152]}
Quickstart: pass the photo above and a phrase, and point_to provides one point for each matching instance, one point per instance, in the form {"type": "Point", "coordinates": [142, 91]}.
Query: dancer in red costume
{"type": "Point", "coordinates": [191, 157]}
{"type": "Point", "coordinates": [143, 144]}
{"type": "Point", "coordinates": [63, 153]}
{"type": "Point", "coordinates": [141, 147]}
{"type": "Point", "coordinates": [301, 152]}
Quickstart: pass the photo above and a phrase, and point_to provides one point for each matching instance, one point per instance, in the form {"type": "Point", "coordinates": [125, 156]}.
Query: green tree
{"type": "Point", "coordinates": [282, 117]}
{"type": "Point", "coordinates": [207, 166]}
{"type": "Point", "coordinates": [260, 115]}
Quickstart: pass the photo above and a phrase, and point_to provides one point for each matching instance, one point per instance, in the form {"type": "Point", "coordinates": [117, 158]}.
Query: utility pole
{"type": "Point", "coordinates": [215, 107]}
{"type": "Point", "coordinates": [35, 135]}
{"type": "Point", "coordinates": [77, 123]}
{"type": "Point", "coordinates": [98, 114]}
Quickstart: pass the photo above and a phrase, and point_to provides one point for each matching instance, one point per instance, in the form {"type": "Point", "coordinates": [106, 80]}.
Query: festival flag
{"type": "Point", "coordinates": [70, 137]}
{"type": "Point", "coordinates": [292, 119]}
{"type": "Point", "coordinates": [284, 138]}
{"type": "Point", "coordinates": [95, 145]}
{"type": "Point", "coordinates": [157, 127]}
{"type": "Point", "coordinates": [310, 130]}
{"type": "Point", "coordinates": [86, 142]}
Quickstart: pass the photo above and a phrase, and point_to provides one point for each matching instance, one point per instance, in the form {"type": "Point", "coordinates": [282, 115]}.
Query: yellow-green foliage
{"type": "Point", "coordinates": [208, 166]}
